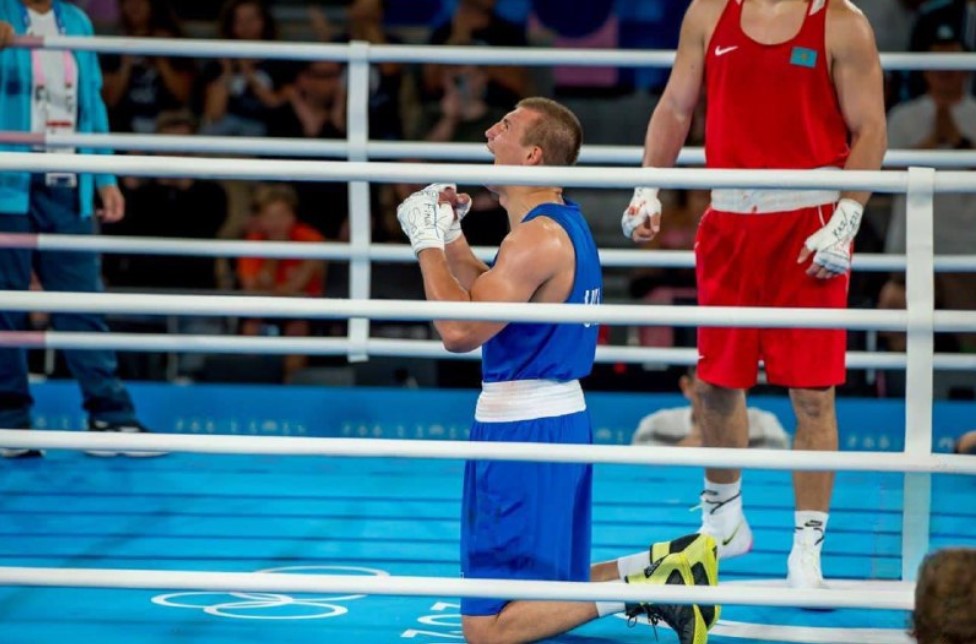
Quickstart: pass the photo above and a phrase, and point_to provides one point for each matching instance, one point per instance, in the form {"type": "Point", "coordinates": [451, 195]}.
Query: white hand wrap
{"type": "Point", "coordinates": [643, 205]}
{"type": "Point", "coordinates": [425, 221]}
{"type": "Point", "coordinates": [435, 189]}
{"type": "Point", "coordinates": [461, 208]}
{"type": "Point", "coordinates": [832, 243]}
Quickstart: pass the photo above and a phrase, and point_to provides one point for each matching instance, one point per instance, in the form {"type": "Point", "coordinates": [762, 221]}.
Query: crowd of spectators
{"type": "Point", "coordinates": [438, 103]}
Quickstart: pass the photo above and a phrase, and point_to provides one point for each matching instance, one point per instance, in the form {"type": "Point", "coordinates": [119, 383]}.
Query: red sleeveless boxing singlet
{"type": "Point", "coordinates": [772, 106]}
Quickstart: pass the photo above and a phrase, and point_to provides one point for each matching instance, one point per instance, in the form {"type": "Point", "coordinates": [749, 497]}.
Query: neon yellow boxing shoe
{"type": "Point", "coordinates": [702, 553]}
{"type": "Point", "coordinates": [686, 620]}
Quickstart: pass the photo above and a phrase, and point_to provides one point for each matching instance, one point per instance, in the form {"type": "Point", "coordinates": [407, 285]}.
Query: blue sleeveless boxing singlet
{"type": "Point", "coordinates": [561, 352]}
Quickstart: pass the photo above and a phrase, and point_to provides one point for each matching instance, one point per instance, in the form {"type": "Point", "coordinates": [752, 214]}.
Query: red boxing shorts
{"type": "Point", "coordinates": [750, 260]}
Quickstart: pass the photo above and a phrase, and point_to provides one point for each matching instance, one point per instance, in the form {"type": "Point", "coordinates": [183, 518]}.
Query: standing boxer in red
{"type": "Point", "coordinates": [790, 84]}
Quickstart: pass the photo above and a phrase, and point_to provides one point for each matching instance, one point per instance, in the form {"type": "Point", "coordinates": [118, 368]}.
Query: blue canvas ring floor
{"type": "Point", "coordinates": [383, 516]}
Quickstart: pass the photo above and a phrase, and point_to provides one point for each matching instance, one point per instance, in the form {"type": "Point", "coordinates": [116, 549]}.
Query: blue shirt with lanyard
{"type": "Point", "coordinates": [18, 94]}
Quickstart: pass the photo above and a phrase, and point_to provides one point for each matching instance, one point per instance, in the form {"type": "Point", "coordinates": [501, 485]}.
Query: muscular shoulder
{"type": "Point", "coordinates": [848, 30]}
{"type": "Point", "coordinates": [538, 248]}
{"type": "Point", "coordinates": [845, 21]}
{"type": "Point", "coordinates": [702, 16]}
{"type": "Point", "coordinates": [541, 235]}
{"type": "Point", "coordinates": [704, 9]}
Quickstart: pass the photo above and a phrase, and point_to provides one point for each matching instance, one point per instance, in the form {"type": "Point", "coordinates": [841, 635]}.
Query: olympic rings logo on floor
{"type": "Point", "coordinates": [270, 606]}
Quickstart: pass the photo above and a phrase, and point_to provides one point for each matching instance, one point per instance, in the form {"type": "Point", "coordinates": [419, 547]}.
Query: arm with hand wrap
{"type": "Point", "coordinates": [462, 205]}
{"type": "Point", "coordinates": [460, 202]}
{"type": "Point", "coordinates": [642, 218]}
{"type": "Point", "coordinates": [425, 220]}
{"type": "Point", "coordinates": [831, 245]}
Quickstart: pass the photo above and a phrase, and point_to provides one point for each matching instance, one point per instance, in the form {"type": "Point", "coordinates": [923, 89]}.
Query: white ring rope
{"type": "Point", "coordinates": [900, 596]}
{"type": "Point", "coordinates": [609, 258]}
{"type": "Point", "coordinates": [384, 172]}
{"type": "Point", "coordinates": [199, 48]}
{"type": "Point", "coordinates": [616, 314]}
{"type": "Point", "coordinates": [386, 347]}
{"type": "Point", "coordinates": [392, 150]}
{"type": "Point", "coordinates": [763, 459]}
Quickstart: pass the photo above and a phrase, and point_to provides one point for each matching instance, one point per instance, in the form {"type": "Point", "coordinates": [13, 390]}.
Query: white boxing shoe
{"type": "Point", "coordinates": [726, 523]}
{"type": "Point", "coordinates": [803, 566]}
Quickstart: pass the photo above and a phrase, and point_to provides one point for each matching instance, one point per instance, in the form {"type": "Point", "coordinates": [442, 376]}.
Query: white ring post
{"type": "Point", "coordinates": [357, 132]}
{"type": "Point", "coordinates": [920, 294]}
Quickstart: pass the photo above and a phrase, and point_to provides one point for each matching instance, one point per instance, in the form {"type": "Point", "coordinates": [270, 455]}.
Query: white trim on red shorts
{"type": "Point", "coordinates": [765, 202]}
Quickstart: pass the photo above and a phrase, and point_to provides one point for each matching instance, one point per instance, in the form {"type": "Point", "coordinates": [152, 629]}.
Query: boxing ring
{"type": "Point", "coordinates": [355, 539]}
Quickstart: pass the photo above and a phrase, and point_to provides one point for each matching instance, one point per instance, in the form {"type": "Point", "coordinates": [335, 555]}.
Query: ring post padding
{"type": "Point", "coordinates": [920, 294]}
{"type": "Point", "coordinates": [359, 201]}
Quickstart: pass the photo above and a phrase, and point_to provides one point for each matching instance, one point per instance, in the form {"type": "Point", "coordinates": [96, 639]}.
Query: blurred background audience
{"type": "Point", "coordinates": [275, 219]}
{"type": "Point", "coordinates": [137, 88]}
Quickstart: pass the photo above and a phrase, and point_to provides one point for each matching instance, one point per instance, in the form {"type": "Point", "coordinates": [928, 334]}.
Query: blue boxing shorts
{"type": "Point", "coordinates": [526, 520]}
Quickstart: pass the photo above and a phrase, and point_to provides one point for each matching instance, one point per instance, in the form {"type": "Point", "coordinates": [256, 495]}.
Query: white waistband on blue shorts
{"type": "Point", "coordinates": [759, 202]}
{"type": "Point", "coordinates": [504, 402]}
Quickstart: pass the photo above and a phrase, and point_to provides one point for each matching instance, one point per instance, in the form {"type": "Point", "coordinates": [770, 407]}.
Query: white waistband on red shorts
{"type": "Point", "coordinates": [761, 202]}
{"type": "Point", "coordinates": [758, 202]}
{"type": "Point", "coordinates": [503, 402]}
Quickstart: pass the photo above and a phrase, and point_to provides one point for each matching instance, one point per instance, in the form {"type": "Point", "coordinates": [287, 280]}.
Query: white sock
{"type": "Point", "coordinates": [723, 491]}
{"type": "Point", "coordinates": [631, 564]}
{"type": "Point", "coordinates": [803, 518]}
{"type": "Point", "coordinates": [810, 519]}
{"type": "Point", "coordinates": [609, 608]}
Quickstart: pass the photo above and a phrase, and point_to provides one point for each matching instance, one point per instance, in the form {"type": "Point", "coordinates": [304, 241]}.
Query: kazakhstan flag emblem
{"type": "Point", "coordinates": [803, 57]}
